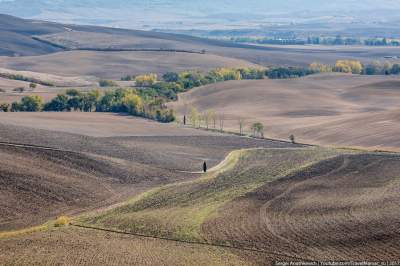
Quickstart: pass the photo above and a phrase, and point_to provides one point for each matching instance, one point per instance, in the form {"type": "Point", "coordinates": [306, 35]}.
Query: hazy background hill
{"type": "Point", "coordinates": [207, 14]}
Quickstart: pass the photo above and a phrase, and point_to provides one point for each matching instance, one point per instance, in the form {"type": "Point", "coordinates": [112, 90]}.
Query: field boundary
{"type": "Point", "coordinates": [249, 136]}
{"type": "Point", "coordinates": [185, 241]}
{"type": "Point", "coordinates": [22, 145]}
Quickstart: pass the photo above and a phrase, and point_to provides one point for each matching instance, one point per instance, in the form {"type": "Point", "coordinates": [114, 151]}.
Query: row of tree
{"type": "Point", "coordinates": [356, 67]}
{"type": "Point", "coordinates": [172, 83]}
{"type": "Point", "coordinates": [211, 120]}
{"type": "Point", "coordinates": [317, 40]}
{"type": "Point", "coordinates": [117, 101]}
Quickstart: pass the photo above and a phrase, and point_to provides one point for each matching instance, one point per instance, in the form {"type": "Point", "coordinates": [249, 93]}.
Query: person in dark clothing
{"type": "Point", "coordinates": [205, 167]}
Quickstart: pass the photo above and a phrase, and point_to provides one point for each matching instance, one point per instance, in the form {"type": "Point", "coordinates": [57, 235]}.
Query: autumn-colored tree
{"type": "Point", "coordinates": [349, 66]}
{"type": "Point", "coordinates": [133, 103]}
{"type": "Point", "coordinates": [194, 116]}
{"type": "Point", "coordinates": [320, 68]}
{"type": "Point", "coordinates": [146, 80]}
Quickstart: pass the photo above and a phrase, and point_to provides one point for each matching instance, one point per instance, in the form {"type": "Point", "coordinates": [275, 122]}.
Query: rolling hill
{"type": "Point", "coordinates": [196, 15]}
{"type": "Point", "coordinates": [16, 37]}
{"type": "Point", "coordinates": [56, 48]}
{"type": "Point", "coordinates": [328, 109]}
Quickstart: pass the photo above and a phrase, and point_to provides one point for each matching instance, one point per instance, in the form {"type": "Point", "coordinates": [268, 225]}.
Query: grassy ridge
{"type": "Point", "coordinates": [178, 211]}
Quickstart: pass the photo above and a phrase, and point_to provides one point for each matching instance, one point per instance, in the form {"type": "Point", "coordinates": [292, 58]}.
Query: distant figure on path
{"type": "Point", "coordinates": [184, 120]}
{"type": "Point", "coordinates": [205, 167]}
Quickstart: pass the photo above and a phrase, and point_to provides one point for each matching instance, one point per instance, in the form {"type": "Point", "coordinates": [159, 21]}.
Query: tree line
{"type": "Point", "coordinates": [210, 120]}
{"type": "Point", "coordinates": [173, 83]}
{"type": "Point", "coordinates": [356, 67]}
{"type": "Point", "coordinates": [148, 99]}
{"type": "Point", "coordinates": [290, 39]}
{"type": "Point", "coordinates": [121, 100]}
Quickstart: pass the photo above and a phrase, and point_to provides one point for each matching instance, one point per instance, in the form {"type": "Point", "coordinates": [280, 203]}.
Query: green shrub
{"type": "Point", "coordinates": [107, 83]}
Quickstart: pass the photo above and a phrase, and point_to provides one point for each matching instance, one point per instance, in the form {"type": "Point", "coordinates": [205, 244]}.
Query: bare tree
{"type": "Point", "coordinates": [221, 122]}
{"type": "Point", "coordinates": [213, 118]}
{"type": "Point", "coordinates": [241, 126]}
{"type": "Point", "coordinates": [194, 117]}
{"type": "Point", "coordinates": [208, 116]}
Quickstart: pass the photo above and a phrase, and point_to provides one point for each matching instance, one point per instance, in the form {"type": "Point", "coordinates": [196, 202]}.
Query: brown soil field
{"type": "Point", "coordinates": [166, 145]}
{"type": "Point", "coordinates": [96, 124]}
{"type": "Point", "coordinates": [343, 209]}
{"type": "Point", "coordinates": [266, 55]}
{"type": "Point", "coordinates": [72, 246]}
{"type": "Point", "coordinates": [17, 36]}
{"type": "Point", "coordinates": [7, 95]}
{"type": "Point", "coordinates": [114, 65]}
{"type": "Point", "coordinates": [95, 171]}
{"type": "Point", "coordinates": [329, 109]}
{"type": "Point", "coordinates": [9, 84]}
{"type": "Point", "coordinates": [296, 55]}
{"type": "Point", "coordinates": [61, 80]}
{"type": "Point", "coordinates": [39, 184]}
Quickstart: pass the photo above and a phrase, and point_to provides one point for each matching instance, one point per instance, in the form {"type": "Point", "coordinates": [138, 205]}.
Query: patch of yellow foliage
{"type": "Point", "coordinates": [62, 221]}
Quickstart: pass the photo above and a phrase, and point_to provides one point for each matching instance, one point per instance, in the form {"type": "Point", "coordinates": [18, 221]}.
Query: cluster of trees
{"type": "Point", "coordinates": [291, 39]}
{"type": "Point", "coordinates": [173, 83]}
{"type": "Point", "coordinates": [317, 40]}
{"type": "Point", "coordinates": [33, 103]}
{"type": "Point", "coordinates": [381, 68]}
{"type": "Point", "coordinates": [117, 101]}
{"type": "Point", "coordinates": [146, 80]}
{"type": "Point", "coordinates": [339, 40]}
{"type": "Point", "coordinates": [349, 66]}
{"type": "Point", "coordinates": [107, 83]}
{"type": "Point", "coordinates": [356, 67]}
{"type": "Point", "coordinates": [381, 42]}
{"type": "Point", "coordinates": [4, 107]}
{"type": "Point", "coordinates": [287, 72]}
{"type": "Point", "coordinates": [278, 40]}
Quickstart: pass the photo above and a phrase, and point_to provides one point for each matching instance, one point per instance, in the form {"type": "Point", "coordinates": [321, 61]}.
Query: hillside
{"type": "Point", "coordinates": [331, 109]}
{"type": "Point", "coordinates": [114, 65]}
{"type": "Point", "coordinates": [210, 15]}
{"type": "Point", "coordinates": [103, 50]}
{"type": "Point", "coordinates": [277, 204]}
{"type": "Point", "coordinates": [16, 36]}
{"type": "Point", "coordinates": [63, 163]}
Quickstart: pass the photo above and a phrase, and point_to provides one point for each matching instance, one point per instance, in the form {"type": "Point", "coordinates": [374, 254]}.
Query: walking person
{"type": "Point", "coordinates": [205, 167]}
